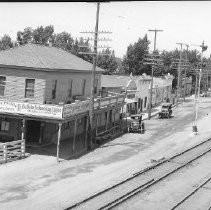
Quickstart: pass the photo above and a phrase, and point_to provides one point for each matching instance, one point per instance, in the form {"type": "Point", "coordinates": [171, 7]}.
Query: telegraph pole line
{"type": "Point", "coordinates": [93, 78]}
{"type": "Point", "coordinates": [151, 84]}
{"type": "Point", "coordinates": [186, 58]}
{"type": "Point", "coordinates": [179, 73]}
{"type": "Point", "coordinates": [203, 48]}
{"type": "Point", "coordinates": [93, 75]}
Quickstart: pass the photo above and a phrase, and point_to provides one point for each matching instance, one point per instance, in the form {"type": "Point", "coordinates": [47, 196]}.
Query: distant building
{"type": "Point", "coordinates": [186, 86]}
{"type": "Point", "coordinates": [162, 89]}
{"type": "Point", "coordinates": [116, 84]}
{"type": "Point", "coordinates": [142, 94]}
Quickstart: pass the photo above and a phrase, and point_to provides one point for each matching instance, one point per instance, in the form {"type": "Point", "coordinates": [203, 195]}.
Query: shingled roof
{"type": "Point", "coordinates": [43, 58]}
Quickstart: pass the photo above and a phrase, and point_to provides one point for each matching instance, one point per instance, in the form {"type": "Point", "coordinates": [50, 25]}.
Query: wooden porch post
{"type": "Point", "coordinates": [58, 141]}
{"type": "Point", "coordinates": [75, 129]}
{"type": "Point", "coordinates": [87, 125]}
{"type": "Point", "coordinates": [107, 120]}
{"type": "Point", "coordinates": [114, 120]}
{"type": "Point", "coordinates": [23, 129]}
{"type": "Point", "coordinates": [41, 132]}
{"type": "Point", "coordinates": [23, 144]}
{"type": "Point", "coordinates": [97, 116]}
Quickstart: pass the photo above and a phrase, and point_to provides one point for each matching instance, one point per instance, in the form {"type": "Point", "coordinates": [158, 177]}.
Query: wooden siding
{"type": "Point", "coordinates": [63, 86]}
{"type": "Point", "coordinates": [15, 85]}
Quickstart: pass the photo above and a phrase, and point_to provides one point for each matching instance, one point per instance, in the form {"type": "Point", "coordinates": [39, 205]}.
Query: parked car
{"type": "Point", "coordinates": [137, 124]}
{"type": "Point", "coordinates": [166, 110]}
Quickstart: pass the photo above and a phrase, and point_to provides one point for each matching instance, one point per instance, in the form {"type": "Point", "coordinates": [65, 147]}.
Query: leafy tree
{"type": "Point", "coordinates": [6, 42]}
{"type": "Point", "coordinates": [25, 36]}
{"type": "Point", "coordinates": [83, 47]}
{"type": "Point", "coordinates": [63, 40]}
{"type": "Point", "coordinates": [41, 35]}
{"type": "Point", "coordinates": [133, 61]}
{"type": "Point", "coordinates": [108, 61]}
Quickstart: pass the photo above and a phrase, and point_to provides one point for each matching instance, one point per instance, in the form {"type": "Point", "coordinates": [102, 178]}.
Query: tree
{"type": "Point", "coordinates": [133, 61]}
{"type": "Point", "coordinates": [83, 47]}
{"type": "Point", "coordinates": [63, 40]}
{"type": "Point", "coordinates": [25, 36]}
{"type": "Point", "coordinates": [108, 61]}
{"type": "Point", "coordinates": [41, 35]}
{"type": "Point", "coordinates": [6, 42]}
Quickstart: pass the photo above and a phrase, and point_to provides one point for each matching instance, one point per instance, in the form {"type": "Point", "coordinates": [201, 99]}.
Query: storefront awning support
{"type": "Point", "coordinates": [58, 142]}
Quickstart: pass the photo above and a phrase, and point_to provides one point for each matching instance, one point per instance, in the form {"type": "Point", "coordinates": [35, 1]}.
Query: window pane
{"type": "Point", "coordinates": [70, 88]}
{"type": "Point", "coordinates": [83, 86]}
{"type": "Point", "coordinates": [30, 83]}
{"type": "Point", "coordinates": [2, 80]}
{"type": "Point", "coordinates": [29, 90]}
{"type": "Point", "coordinates": [54, 84]}
{"type": "Point", "coordinates": [29, 94]}
{"type": "Point", "coordinates": [2, 88]}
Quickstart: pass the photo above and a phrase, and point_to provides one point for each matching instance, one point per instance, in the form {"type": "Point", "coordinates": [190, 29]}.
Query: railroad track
{"type": "Point", "coordinates": [143, 179]}
{"type": "Point", "coordinates": [191, 194]}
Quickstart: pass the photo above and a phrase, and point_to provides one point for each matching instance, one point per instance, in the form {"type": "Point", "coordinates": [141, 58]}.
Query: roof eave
{"type": "Point", "coordinates": [48, 69]}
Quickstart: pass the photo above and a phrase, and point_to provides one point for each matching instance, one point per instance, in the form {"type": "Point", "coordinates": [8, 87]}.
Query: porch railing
{"type": "Point", "coordinates": [12, 150]}
{"type": "Point", "coordinates": [83, 106]}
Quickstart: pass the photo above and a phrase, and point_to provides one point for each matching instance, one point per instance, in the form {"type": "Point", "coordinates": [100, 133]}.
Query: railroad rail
{"type": "Point", "coordinates": [143, 179]}
{"type": "Point", "coordinates": [191, 194]}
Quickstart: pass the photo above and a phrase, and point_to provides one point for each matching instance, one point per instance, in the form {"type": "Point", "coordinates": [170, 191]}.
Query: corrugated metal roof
{"type": "Point", "coordinates": [43, 57]}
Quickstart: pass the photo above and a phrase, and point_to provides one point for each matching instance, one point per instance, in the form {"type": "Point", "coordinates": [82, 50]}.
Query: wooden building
{"type": "Point", "coordinates": [43, 97]}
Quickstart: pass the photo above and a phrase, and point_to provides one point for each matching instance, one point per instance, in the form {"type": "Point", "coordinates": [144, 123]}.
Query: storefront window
{"type": "Point", "coordinates": [5, 126]}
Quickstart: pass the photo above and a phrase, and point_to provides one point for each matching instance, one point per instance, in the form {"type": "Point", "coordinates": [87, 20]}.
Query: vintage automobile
{"type": "Point", "coordinates": [136, 125]}
{"type": "Point", "coordinates": [166, 110]}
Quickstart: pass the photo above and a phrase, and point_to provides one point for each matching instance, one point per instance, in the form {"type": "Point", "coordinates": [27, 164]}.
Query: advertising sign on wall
{"type": "Point", "coordinates": [75, 108]}
{"type": "Point", "coordinates": [28, 109]}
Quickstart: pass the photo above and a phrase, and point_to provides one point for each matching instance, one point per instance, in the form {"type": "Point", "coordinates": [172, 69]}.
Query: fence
{"type": "Point", "coordinates": [12, 150]}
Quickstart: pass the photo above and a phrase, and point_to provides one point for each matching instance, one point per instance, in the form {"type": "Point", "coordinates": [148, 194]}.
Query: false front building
{"type": "Point", "coordinates": [44, 95]}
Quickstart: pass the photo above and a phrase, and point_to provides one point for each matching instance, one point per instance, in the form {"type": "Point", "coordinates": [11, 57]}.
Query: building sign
{"type": "Point", "coordinates": [28, 109]}
{"type": "Point", "coordinates": [75, 108]}
{"type": "Point", "coordinates": [131, 96]}
{"type": "Point", "coordinates": [83, 106]}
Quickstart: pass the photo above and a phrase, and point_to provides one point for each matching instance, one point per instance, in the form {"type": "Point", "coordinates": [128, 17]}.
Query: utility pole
{"type": "Point", "coordinates": [203, 48]}
{"type": "Point", "coordinates": [186, 58]}
{"type": "Point", "coordinates": [179, 73]}
{"type": "Point", "coordinates": [93, 76]}
{"type": "Point", "coordinates": [151, 84]}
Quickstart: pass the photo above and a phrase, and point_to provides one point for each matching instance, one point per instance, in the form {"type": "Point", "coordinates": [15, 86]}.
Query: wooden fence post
{"type": "Point", "coordinates": [75, 129]}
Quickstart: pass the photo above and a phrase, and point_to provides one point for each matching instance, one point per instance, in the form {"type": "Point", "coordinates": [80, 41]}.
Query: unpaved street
{"type": "Point", "coordinates": [38, 182]}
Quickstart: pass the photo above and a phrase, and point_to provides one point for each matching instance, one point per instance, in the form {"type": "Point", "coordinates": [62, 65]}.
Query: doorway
{"type": "Point", "coordinates": [33, 130]}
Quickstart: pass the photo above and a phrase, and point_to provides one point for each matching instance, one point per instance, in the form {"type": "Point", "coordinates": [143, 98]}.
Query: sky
{"type": "Point", "coordinates": [181, 21]}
